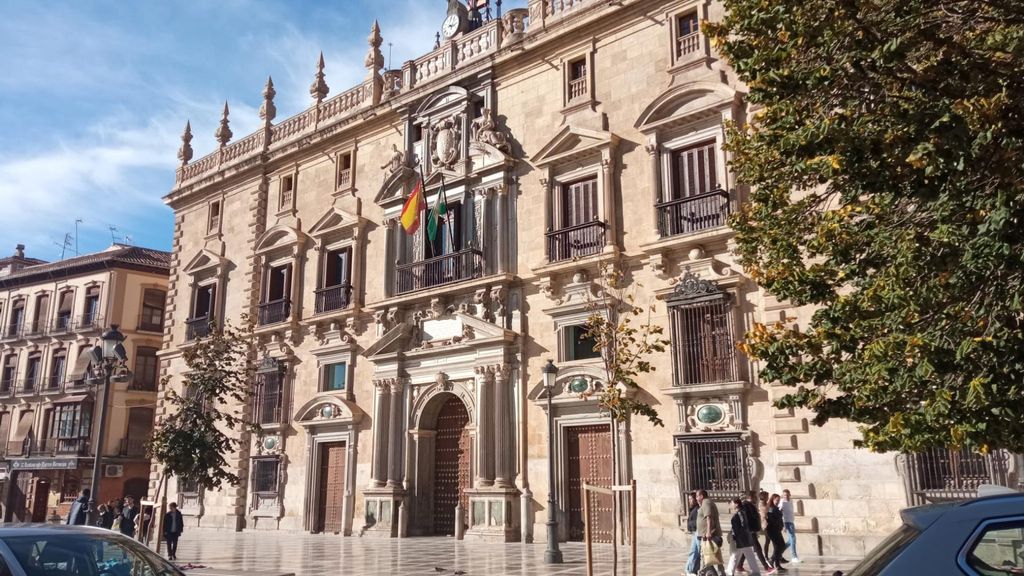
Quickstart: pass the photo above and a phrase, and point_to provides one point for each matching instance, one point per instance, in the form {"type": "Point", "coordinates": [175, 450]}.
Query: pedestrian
{"type": "Point", "coordinates": [106, 519]}
{"type": "Point", "coordinates": [742, 542]}
{"type": "Point", "coordinates": [79, 510]}
{"type": "Point", "coordinates": [709, 529]}
{"type": "Point", "coordinates": [754, 524]}
{"type": "Point", "coordinates": [173, 527]}
{"type": "Point", "coordinates": [693, 563]}
{"type": "Point", "coordinates": [773, 529]}
{"type": "Point", "coordinates": [762, 507]}
{"type": "Point", "coordinates": [128, 516]}
{"type": "Point", "coordinates": [787, 519]}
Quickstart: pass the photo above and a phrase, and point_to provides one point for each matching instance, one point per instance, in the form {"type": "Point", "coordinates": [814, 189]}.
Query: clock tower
{"type": "Point", "coordinates": [457, 20]}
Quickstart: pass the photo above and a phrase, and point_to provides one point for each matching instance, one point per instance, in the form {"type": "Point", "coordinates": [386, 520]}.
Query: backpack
{"type": "Point", "coordinates": [752, 516]}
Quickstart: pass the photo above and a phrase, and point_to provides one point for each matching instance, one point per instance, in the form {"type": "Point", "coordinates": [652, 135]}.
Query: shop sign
{"type": "Point", "coordinates": [45, 464]}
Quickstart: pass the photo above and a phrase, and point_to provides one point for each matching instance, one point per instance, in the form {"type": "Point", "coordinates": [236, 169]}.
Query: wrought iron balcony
{"type": "Point", "coordinates": [147, 324]}
{"type": "Point", "coordinates": [52, 446]}
{"type": "Point", "coordinates": [27, 386]}
{"type": "Point", "coordinates": [576, 241]}
{"type": "Point", "coordinates": [274, 312]}
{"type": "Point", "coordinates": [61, 325]}
{"type": "Point", "coordinates": [13, 331]}
{"type": "Point", "coordinates": [52, 384]}
{"type": "Point", "coordinates": [198, 327]}
{"type": "Point", "coordinates": [19, 447]}
{"type": "Point", "coordinates": [332, 298]}
{"type": "Point", "coordinates": [447, 269]}
{"type": "Point", "coordinates": [88, 322]}
{"type": "Point", "coordinates": [693, 214]}
{"type": "Point", "coordinates": [132, 448]}
{"type": "Point", "coordinates": [7, 387]}
{"type": "Point", "coordinates": [35, 329]}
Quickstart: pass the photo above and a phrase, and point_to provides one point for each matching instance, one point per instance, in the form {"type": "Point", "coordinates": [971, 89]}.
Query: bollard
{"type": "Point", "coordinates": [460, 529]}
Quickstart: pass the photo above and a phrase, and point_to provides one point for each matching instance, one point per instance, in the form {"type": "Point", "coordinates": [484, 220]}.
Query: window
{"type": "Point", "coordinates": [335, 288]}
{"type": "Point", "coordinates": [578, 231]}
{"type": "Point", "coordinates": [276, 305]}
{"type": "Point", "coordinates": [213, 222]}
{"type": "Point", "coordinates": [10, 372]}
{"type": "Point", "coordinates": [188, 485]}
{"type": "Point", "coordinates": [65, 303]}
{"type": "Point", "coordinates": [941, 474]}
{"type": "Point", "coordinates": [694, 200]}
{"type": "Point", "coordinates": [146, 369]}
{"type": "Point", "coordinates": [688, 34]}
{"type": "Point", "coordinates": [5, 429]}
{"type": "Point", "coordinates": [269, 397]}
{"type": "Point", "coordinates": [32, 371]}
{"type": "Point", "coordinates": [703, 344]}
{"type": "Point", "coordinates": [716, 463]}
{"type": "Point", "coordinates": [17, 318]}
{"type": "Point", "coordinates": [41, 313]}
{"type": "Point", "coordinates": [333, 377]}
{"type": "Point", "coordinates": [58, 367]}
{"type": "Point", "coordinates": [152, 310]}
{"type": "Point", "coordinates": [264, 475]}
{"type": "Point", "coordinates": [287, 192]}
{"type": "Point", "coordinates": [577, 88]}
{"type": "Point", "coordinates": [448, 239]}
{"type": "Point", "coordinates": [68, 427]}
{"type": "Point", "coordinates": [204, 300]}
{"type": "Point", "coordinates": [345, 170]}
{"type": "Point", "coordinates": [694, 170]}
{"type": "Point", "coordinates": [577, 345]}
{"type": "Point", "coordinates": [998, 549]}
{"type": "Point", "coordinates": [90, 315]}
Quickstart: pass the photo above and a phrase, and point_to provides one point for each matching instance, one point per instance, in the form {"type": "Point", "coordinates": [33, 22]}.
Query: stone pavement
{"type": "Point", "coordinates": [329, 555]}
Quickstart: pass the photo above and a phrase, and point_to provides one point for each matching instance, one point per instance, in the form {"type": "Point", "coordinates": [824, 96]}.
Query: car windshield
{"type": "Point", "coordinates": [885, 552]}
{"type": "Point", "coordinates": [65, 553]}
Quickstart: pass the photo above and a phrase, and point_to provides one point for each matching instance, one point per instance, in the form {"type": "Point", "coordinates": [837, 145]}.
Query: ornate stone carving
{"type": "Point", "coordinates": [185, 152]}
{"type": "Point", "coordinates": [374, 58]}
{"type": "Point", "coordinates": [396, 162]}
{"type": "Point", "coordinates": [548, 288]}
{"type": "Point", "coordinates": [318, 89]}
{"type": "Point", "coordinates": [443, 382]}
{"type": "Point", "coordinates": [486, 131]}
{"type": "Point", "coordinates": [267, 110]}
{"type": "Point", "coordinates": [392, 317]}
{"type": "Point", "coordinates": [482, 299]}
{"type": "Point", "coordinates": [690, 286]}
{"type": "Point", "coordinates": [446, 148]}
{"type": "Point", "coordinates": [498, 295]}
{"type": "Point", "coordinates": [223, 133]}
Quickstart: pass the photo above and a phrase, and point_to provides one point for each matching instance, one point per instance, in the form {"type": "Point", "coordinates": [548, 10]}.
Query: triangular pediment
{"type": "Point", "coordinates": [280, 236]}
{"type": "Point", "coordinates": [572, 142]}
{"type": "Point", "coordinates": [393, 340]}
{"type": "Point", "coordinates": [687, 103]}
{"type": "Point", "coordinates": [328, 409]}
{"type": "Point", "coordinates": [203, 261]}
{"type": "Point", "coordinates": [396, 186]}
{"type": "Point", "coordinates": [334, 220]}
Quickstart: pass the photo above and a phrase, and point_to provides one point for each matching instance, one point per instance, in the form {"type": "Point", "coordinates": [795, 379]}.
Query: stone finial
{"type": "Point", "coordinates": [318, 89]}
{"type": "Point", "coordinates": [374, 57]}
{"type": "Point", "coordinates": [437, 40]}
{"type": "Point", "coordinates": [185, 152]}
{"type": "Point", "coordinates": [223, 133]}
{"type": "Point", "coordinates": [267, 110]}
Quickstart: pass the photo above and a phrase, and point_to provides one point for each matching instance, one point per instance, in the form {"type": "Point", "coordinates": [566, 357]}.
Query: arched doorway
{"type": "Point", "coordinates": [451, 464]}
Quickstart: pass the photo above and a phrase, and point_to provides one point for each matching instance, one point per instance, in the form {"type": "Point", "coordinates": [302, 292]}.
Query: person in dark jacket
{"type": "Point", "coordinates": [742, 541]}
{"type": "Point", "coordinates": [79, 513]}
{"type": "Point", "coordinates": [106, 519]}
{"type": "Point", "coordinates": [693, 562]}
{"type": "Point", "coordinates": [128, 515]}
{"type": "Point", "coordinates": [173, 527]}
{"type": "Point", "coordinates": [753, 517]}
{"type": "Point", "coordinates": [774, 532]}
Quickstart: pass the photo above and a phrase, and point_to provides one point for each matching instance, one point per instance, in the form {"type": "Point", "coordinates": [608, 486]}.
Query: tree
{"type": "Point", "coordinates": [886, 169]}
{"type": "Point", "coordinates": [204, 423]}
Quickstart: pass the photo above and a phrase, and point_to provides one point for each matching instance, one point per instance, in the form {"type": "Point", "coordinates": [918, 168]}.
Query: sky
{"type": "Point", "coordinates": [94, 95]}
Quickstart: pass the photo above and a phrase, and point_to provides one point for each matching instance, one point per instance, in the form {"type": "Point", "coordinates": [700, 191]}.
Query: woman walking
{"type": "Point", "coordinates": [693, 563]}
{"type": "Point", "coordinates": [742, 541]}
{"type": "Point", "coordinates": [774, 531]}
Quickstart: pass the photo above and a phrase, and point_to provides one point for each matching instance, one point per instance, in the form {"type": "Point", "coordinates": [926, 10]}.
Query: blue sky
{"type": "Point", "coordinates": [94, 95]}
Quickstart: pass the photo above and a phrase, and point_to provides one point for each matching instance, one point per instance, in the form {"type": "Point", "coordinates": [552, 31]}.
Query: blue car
{"type": "Point", "coordinates": [980, 537]}
{"type": "Point", "coordinates": [49, 550]}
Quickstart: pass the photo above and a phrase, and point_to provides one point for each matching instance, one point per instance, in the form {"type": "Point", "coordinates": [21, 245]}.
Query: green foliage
{"type": "Point", "coordinates": [204, 422]}
{"type": "Point", "coordinates": [886, 163]}
{"type": "Point", "coordinates": [625, 336]}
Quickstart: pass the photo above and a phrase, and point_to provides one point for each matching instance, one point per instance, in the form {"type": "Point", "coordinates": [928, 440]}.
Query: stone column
{"type": "Point", "coordinates": [485, 426]}
{"type": "Point", "coordinates": [395, 434]}
{"type": "Point", "coordinates": [502, 227]}
{"type": "Point", "coordinates": [503, 439]}
{"type": "Point", "coordinates": [610, 216]}
{"type": "Point", "coordinates": [380, 433]}
{"type": "Point", "coordinates": [391, 255]}
{"type": "Point", "coordinates": [653, 149]}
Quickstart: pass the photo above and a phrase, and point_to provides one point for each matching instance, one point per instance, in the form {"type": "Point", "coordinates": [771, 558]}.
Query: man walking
{"type": "Point", "coordinates": [709, 528]}
{"type": "Point", "coordinates": [753, 517]}
{"type": "Point", "coordinates": [173, 527]}
{"type": "Point", "coordinates": [128, 515]}
{"type": "Point", "coordinates": [742, 542]}
{"type": "Point", "coordinates": [79, 513]}
{"type": "Point", "coordinates": [787, 520]}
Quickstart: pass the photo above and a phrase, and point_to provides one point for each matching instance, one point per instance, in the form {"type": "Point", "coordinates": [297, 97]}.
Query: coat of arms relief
{"type": "Point", "coordinates": [446, 140]}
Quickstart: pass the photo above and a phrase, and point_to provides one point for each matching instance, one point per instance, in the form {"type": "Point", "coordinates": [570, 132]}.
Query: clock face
{"type": "Point", "coordinates": [450, 25]}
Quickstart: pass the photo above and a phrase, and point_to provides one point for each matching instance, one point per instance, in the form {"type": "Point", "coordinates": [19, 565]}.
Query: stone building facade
{"type": "Point", "coordinates": [400, 378]}
{"type": "Point", "coordinates": [51, 316]}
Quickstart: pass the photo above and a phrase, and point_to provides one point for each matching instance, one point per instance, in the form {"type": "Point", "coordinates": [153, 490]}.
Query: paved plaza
{"type": "Point", "coordinates": [323, 555]}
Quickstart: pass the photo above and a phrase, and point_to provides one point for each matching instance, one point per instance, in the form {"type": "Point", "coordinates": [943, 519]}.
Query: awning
{"type": "Point", "coordinates": [81, 365]}
{"type": "Point", "coordinates": [73, 399]}
{"type": "Point", "coordinates": [24, 426]}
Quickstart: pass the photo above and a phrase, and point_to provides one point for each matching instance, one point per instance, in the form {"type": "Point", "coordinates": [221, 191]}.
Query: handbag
{"type": "Point", "coordinates": [711, 553]}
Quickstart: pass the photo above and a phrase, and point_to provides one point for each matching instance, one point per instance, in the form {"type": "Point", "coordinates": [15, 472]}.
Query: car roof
{"type": "Point", "coordinates": [921, 517]}
{"type": "Point", "coordinates": [49, 529]}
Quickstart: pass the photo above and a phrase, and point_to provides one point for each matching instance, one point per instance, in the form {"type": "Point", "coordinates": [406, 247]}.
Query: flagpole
{"type": "Point", "coordinates": [444, 195]}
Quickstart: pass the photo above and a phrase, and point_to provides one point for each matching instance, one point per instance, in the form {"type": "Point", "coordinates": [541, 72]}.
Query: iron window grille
{"type": "Point", "coordinates": [942, 474]}
{"type": "Point", "coordinates": [265, 475]}
{"type": "Point", "coordinates": [702, 333]}
{"type": "Point", "coordinates": [718, 463]}
{"type": "Point", "coordinates": [269, 398]}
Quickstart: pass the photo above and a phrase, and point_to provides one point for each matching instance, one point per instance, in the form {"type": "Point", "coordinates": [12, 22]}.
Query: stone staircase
{"type": "Point", "coordinates": [791, 459]}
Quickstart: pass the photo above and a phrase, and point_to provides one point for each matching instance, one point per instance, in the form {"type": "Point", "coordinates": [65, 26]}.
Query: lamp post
{"type": "Point", "coordinates": [107, 356]}
{"type": "Point", "coordinates": [552, 555]}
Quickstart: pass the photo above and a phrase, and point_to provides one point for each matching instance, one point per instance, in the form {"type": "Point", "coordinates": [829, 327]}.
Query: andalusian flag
{"type": "Point", "coordinates": [437, 215]}
{"type": "Point", "coordinates": [413, 206]}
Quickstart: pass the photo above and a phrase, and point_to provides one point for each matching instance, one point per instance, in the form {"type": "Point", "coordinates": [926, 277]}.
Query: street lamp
{"type": "Point", "coordinates": [552, 555]}
{"type": "Point", "coordinates": [106, 357]}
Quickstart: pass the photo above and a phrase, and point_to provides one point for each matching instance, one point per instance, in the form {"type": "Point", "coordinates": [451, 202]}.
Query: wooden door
{"type": "Point", "coordinates": [332, 488]}
{"type": "Point", "coordinates": [40, 497]}
{"type": "Point", "coordinates": [451, 465]}
{"type": "Point", "coordinates": [21, 488]}
{"type": "Point", "coordinates": [590, 460]}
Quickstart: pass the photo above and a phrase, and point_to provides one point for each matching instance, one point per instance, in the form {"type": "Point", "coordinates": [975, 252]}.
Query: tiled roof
{"type": "Point", "coordinates": [117, 256]}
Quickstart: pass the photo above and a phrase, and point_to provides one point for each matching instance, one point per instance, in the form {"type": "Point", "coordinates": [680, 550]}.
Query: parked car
{"type": "Point", "coordinates": [979, 537]}
{"type": "Point", "coordinates": [48, 550]}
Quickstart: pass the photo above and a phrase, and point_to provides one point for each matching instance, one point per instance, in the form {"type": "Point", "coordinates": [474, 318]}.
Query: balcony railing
{"type": "Point", "coordinates": [13, 330]}
{"type": "Point", "coordinates": [447, 269]}
{"type": "Point", "coordinates": [61, 325]}
{"type": "Point", "coordinates": [332, 298]}
{"type": "Point", "coordinates": [140, 385]}
{"type": "Point", "coordinates": [36, 328]}
{"type": "Point", "coordinates": [19, 447]}
{"type": "Point", "coordinates": [198, 327]}
{"type": "Point", "coordinates": [575, 241]}
{"type": "Point", "coordinates": [688, 44]}
{"type": "Point", "coordinates": [132, 448]}
{"type": "Point", "coordinates": [693, 214]}
{"type": "Point", "coordinates": [51, 446]}
{"type": "Point", "coordinates": [7, 387]}
{"type": "Point", "coordinates": [87, 322]}
{"type": "Point", "coordinates": [147, 324]}
{"type": "Point", "coordinates": [344, 178]}
{"type": "Point", "coordinates": [26, 386]}
{"type": "Point", "coordinates": [577, 88]}
{"type": "Point", "coordinates": [274, 312]}
{"type": "Point", "coordinates": [52, 384]}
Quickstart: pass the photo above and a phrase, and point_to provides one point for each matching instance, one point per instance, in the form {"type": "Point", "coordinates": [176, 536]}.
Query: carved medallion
{"type": "Point", "coordinates": [446, 147]}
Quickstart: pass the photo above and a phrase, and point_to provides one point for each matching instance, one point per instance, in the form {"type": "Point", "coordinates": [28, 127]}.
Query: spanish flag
{"type": "Point", "coordinates": [413, 206]}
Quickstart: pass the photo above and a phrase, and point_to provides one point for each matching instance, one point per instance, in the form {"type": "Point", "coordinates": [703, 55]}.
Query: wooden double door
{"type": "Point", "coordinates": [330, 516]}
{"type": "Point", "coordinates": [589, 455]}
{"type": "Point", "coordinates": [452, 469]}
{"type": "Point", "coordinates": [28, 498]}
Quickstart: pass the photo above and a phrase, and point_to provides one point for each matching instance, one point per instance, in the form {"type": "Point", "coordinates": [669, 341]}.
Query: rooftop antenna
{"type": "Point", "coordinates": [77, 222]}
{"type": "Point", "coordinates": [128, 239]}
{"type": "Point", "coordinates": [64, 245]}
{"type": "Point", "coordinates": [389, 55]}
{"type": "Point", "coordinates": [113, 231]}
